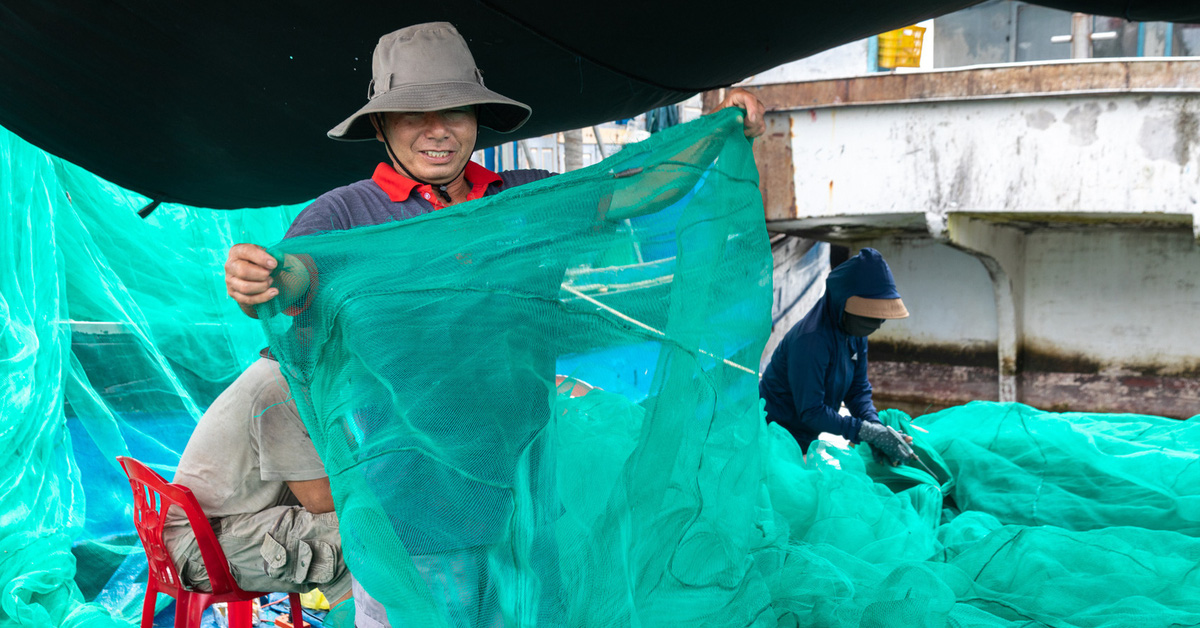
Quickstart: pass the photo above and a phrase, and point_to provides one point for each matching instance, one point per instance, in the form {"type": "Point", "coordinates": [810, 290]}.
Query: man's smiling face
{"type": "Point", "coordinates": [434, 146]}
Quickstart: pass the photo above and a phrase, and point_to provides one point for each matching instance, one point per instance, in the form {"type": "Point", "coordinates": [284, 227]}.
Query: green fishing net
{"type": "Point", "coordinates": [440, 364]}
{"type": "Point", "coordinates": [427, 357]}
{"type": "Point", "coordinates": [115, 334]}
{"type": "Point", "coordinates": [429, 353]}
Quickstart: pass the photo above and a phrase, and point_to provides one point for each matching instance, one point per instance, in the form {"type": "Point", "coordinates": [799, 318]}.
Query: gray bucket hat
{"type": "Point", "coordinates": [428, 67]}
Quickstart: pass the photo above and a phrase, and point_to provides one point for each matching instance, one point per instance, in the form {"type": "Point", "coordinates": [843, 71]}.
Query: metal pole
{"type": "Point", "coordinates": [529, 155]}
{"type": "Point", "coordinates": [1081, 36]}
{"type": "Point", "coordinates": [599, 142]}
{"type": "Point", "coordinates": [1013, 14]}
{"type": "Point", "coordinates": [572, 150]}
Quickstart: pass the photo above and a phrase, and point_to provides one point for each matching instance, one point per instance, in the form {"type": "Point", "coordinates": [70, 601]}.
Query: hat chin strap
{"type": "Point", "coordinates": [438, 187]}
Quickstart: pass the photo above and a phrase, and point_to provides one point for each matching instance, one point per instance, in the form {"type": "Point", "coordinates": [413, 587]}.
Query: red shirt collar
{"type": "Point", "coordinates": [399, 187]}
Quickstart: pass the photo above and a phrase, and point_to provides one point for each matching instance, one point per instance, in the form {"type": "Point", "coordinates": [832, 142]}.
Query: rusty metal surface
{"type": "Point", "coordinates": [947, 354]}
{"type": "Point", "coordinates": [1030, 221]}
{"type": "Point", "coordinates": [1177, 397]}
{"type": "Point", "coordinates": [773, 154]}
{"type": "Point", "coordinates": [1123, 161]}
{"type": "Point", "coordinates": [845, 229]}
{"type": "Point", "coordinates": [918, 388]}
{"type": "Point", "coordinates": [930, 385]}
{"type": "Point", "coordinates": [851, 229]}
{"type": "Point", "coordinates": [988, 82]}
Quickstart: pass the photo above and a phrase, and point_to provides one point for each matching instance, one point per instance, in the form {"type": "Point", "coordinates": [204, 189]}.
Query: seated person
{"type": "Point", "coordinates": [254, 470]}
{"type": "Point", "coordinates": [822, 361]}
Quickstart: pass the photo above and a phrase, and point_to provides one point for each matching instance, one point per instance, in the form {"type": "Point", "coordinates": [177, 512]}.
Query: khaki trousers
{"type": "Point", "coordinates": [280, 549]}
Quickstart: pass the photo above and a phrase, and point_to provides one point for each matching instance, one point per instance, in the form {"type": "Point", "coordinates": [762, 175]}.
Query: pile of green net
{"type": "Point", "coordinates": [115, 334]}
{"type": "Point", "coordinates": [429, 361]}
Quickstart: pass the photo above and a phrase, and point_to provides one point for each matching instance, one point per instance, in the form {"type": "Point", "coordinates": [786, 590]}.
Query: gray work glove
{"type": "Point", "coordinates": [886, 443]}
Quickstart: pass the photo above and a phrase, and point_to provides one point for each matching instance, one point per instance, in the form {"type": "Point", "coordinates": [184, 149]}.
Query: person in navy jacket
{"type": "Point", "coordinates": [821, 362]}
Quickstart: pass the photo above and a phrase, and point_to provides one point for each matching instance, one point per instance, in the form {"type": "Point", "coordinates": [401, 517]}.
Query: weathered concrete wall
{"type": "Point", "coordinates": [1107, 323]}
{"type": "Point", "coordinates": [1106, 142]}
{"type": "Point", "coordinates": [1042, 222]}
{"type": "Point", "coordinates": [947, 293]}
{"type": "Point", "coordinates": [1110, 321]}
{"type": "Point", "coordinates": [1115, 298]}
{"type": "Point", "coordinates": [944, 354]}
{"type": "Point", "coordinates": [1032, 155]}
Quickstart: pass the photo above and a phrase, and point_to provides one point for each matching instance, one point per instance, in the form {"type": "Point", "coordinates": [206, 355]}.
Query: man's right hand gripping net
{"type": "Point", "coordinates": [424, 366]}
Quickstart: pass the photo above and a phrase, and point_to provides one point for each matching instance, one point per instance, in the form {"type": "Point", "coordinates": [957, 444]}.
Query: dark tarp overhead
{"type": "Point", "coordinates": [226, 104]}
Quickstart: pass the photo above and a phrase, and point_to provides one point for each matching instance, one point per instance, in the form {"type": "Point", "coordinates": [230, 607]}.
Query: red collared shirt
{"type": "Point", "coordinates": [399, 187]}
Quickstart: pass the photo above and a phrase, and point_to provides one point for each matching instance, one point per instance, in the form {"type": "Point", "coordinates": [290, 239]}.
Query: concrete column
{"type": "Point", "coordinates": [572, 150]}
{"type": "Point", "coordinates": [1001, 250]}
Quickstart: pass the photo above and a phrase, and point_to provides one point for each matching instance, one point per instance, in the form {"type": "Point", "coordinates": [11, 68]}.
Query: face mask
{"type": "Point", "coordinates": [861, 326]}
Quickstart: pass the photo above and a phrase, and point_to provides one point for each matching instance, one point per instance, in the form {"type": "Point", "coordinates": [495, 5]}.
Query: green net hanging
{"type": "Point", "coordinates": [430, 351]}
{"type": "Point", "coordinates": [115, 334]}
{"type": "Point", "coordinates": [442, 361]}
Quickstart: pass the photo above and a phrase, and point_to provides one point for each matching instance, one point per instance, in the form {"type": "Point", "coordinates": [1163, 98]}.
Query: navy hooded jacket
{"type": "Point", "coordinates": [817, 366]}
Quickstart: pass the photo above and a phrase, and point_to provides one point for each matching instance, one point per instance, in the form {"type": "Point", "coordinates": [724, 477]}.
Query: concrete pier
{"type": "Point", "coordinates": [1041, 220]}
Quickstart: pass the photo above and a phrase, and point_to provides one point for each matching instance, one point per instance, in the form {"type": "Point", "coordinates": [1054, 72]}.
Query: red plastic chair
{"type": "Point", "coordinates": [152, 496]}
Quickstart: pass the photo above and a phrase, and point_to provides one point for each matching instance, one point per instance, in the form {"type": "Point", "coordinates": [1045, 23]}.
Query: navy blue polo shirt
{"type": "Point", "coordinates": [389, 195]}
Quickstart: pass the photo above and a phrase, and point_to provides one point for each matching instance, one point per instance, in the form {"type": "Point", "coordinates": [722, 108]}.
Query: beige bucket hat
{"type": "Point", "coordinates": [428, 67]}
{"type": "Point", "coordinates": [876, 308]}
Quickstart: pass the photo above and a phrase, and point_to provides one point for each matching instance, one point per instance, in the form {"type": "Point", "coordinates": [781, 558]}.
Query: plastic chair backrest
{"type": "Point", "coordinates": [152, 497]}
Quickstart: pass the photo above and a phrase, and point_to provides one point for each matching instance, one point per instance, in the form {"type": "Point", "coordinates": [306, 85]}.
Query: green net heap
{"type": "Point", "coordinates": [440, 364]}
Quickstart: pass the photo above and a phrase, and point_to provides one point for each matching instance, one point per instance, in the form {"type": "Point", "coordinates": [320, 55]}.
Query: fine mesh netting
{"type": "Point", "coordinates": [475, 488]}
{"type": "Point", "coordinates": [115, 334]}
{"type": "Point", "coordinates": [429, 350]}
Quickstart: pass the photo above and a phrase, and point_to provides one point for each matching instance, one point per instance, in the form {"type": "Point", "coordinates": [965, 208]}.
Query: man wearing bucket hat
{"type": "Point", "coordinates": [426, 102]}
{"type": "Point", "coordinates": [821, 362]}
